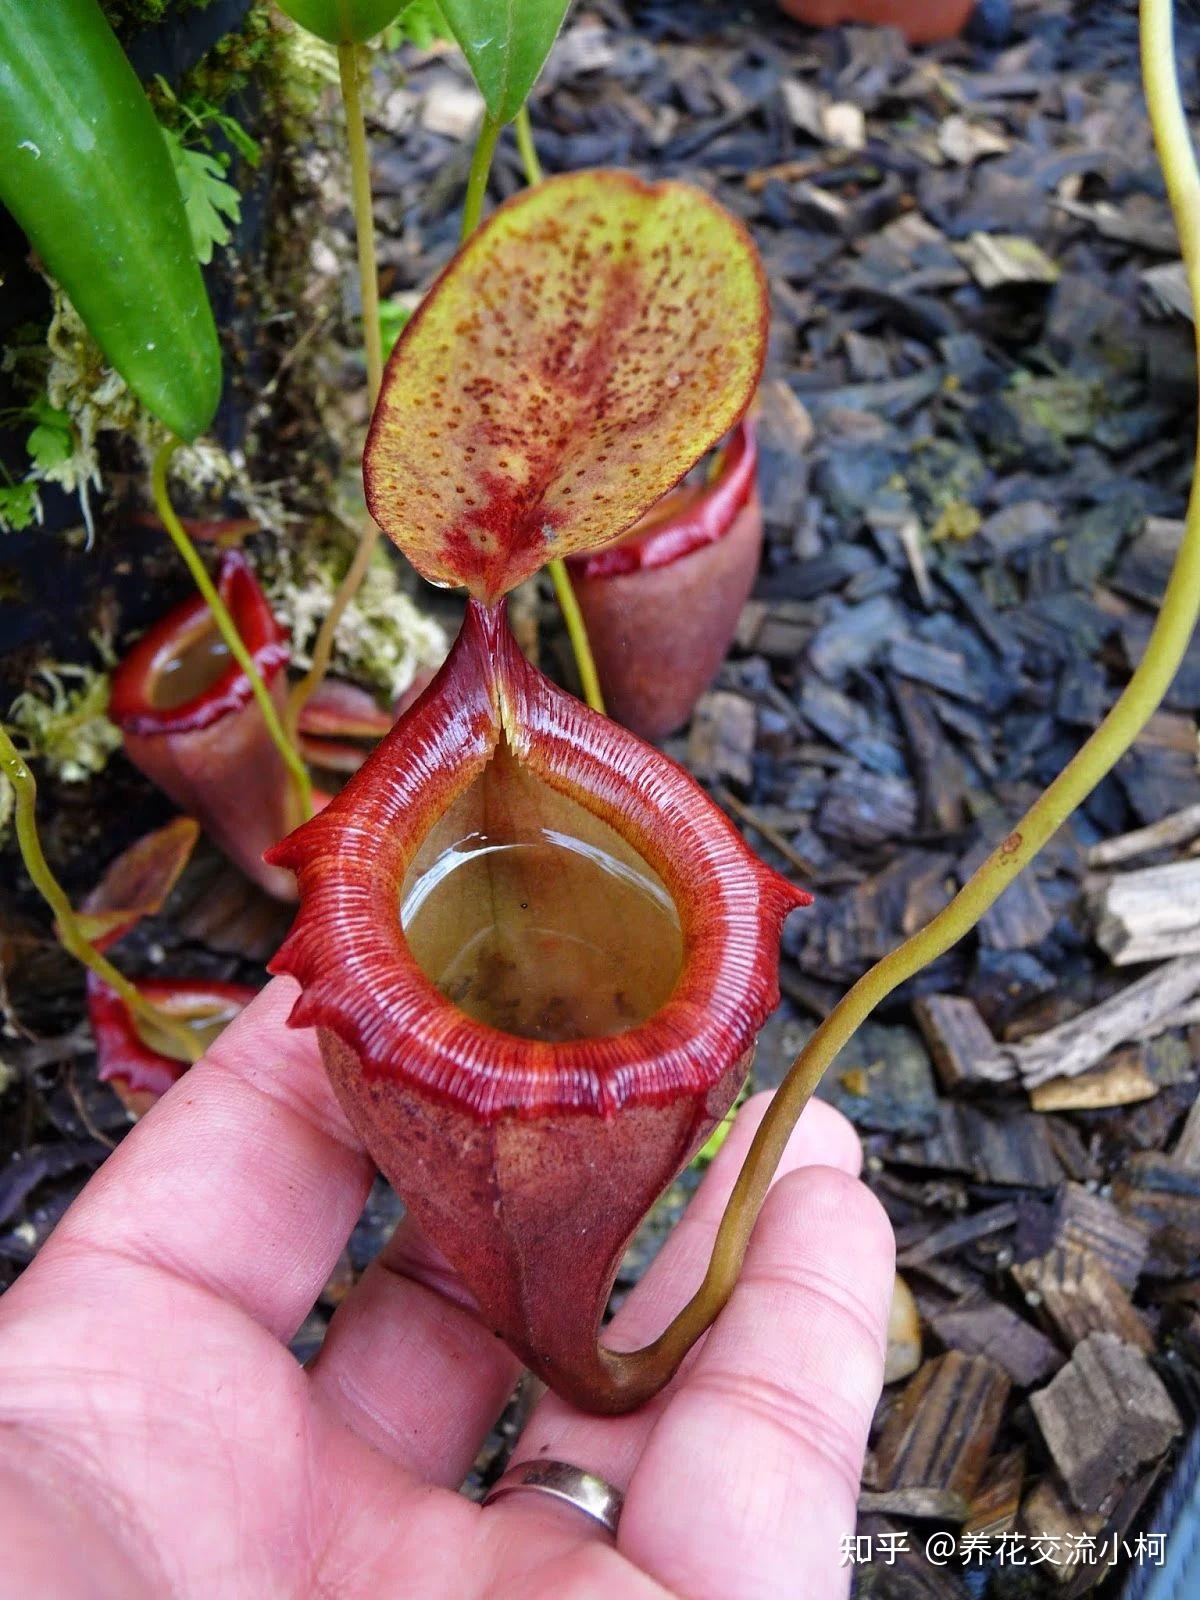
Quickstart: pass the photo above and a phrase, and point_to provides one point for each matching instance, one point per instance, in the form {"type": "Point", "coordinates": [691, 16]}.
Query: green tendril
{"type": "Point", "coordinates": [225, 624]}
{"type": "Point", "coordinates": [24, 785]}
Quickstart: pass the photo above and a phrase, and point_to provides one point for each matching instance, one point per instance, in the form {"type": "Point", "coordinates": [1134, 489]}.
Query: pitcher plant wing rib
{"type": "Point", "coordinates": [608, 333]}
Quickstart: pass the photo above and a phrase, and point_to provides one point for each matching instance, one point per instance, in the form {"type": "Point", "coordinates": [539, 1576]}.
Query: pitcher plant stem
{"type": "Point", "coordinates": [585, 662]}
{"type": "Point", "coordinates": [564, 590]}
{"type": "Point", "coordinates": [225, 624]}
{"type": "Point", "coordinates": [349, 63]}
{"type": "Point", "coordinates": [24, 785]}
{"type": "Point", "coordinates": [644, 1371]}
{"type": "Point", "coordinates": [477, 179]}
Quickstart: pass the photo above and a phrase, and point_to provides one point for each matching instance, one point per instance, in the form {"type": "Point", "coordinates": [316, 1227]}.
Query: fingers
{"type": "Point", "coordinates": [750, 1476]}
{"type": "Point", "coordinates": [407, 1365]}
{"type": "Point", "coordinates": [244, 1179]}
{"type": "Point", "coordinates": [611, 1446]}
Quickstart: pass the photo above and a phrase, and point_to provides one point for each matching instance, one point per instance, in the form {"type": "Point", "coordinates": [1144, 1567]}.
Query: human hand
{"type": "Point", "coordinates": [157, 1437]}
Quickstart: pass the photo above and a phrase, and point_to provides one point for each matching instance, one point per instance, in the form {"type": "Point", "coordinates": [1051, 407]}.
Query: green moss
{"type": "Point", "coordinates": [95, 401]}
{"type": "Point", "coordinates": [941, 474]}
{"type": "Point", "coordinates": [231, 63]}
{"type": "Point", "coordinates": [62, 723]}
{"type": "Point", "coordinates": [129, 16]}
{"type": "Point", "coordinates": [1065, 407]}
{"type": "Point", "coordinates": [382, 640]}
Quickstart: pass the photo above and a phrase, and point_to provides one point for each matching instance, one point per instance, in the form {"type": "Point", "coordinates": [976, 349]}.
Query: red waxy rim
{"type": "Point", "coordinates": [361, 980]}
{"type": "Point", "coordinates": [131, 705]}
{"type": "Point", "coordinates": [685, 519]}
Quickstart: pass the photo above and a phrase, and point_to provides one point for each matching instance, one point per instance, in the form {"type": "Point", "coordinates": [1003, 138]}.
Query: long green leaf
{"type": "Point", "coordinates": [506, 43]}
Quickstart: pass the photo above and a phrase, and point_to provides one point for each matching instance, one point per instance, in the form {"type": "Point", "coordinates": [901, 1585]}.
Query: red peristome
{"type": "Point", "coordinates": [684, 520]}
{"type": "Point", "coordinates": [138, 1071]}
{"type": "Point", "coordinates": [132, 706]}
{"type": "Point", "coordinates": [334, 718]}
{"type": "Point", "coordinates": [362, 982]}
{"type": "Point", "coordinates": [210, 751]}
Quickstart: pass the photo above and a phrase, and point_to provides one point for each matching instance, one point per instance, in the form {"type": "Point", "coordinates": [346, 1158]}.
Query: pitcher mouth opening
{"type": "Point", "coordinates": [181, 676]}
{"type": "Point", "coordinates": [530, 914]}
{"type": "Point", "coordinates": [555, 823]}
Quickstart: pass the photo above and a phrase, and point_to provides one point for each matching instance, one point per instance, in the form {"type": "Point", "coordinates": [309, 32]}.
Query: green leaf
{"type": "Point", "coordinates": [393, 318]}
{"type": "Point", "coordinates": [210, 201]}
{"type": "Point", "coordinates": [19, 506]}
{"type": "Point", "coordinates": [342, 21]}
{"type": "Point", "coordinates": [52, 440]}
{"type": "Point", "coordinates": [422, 22]}
{"type": "Point", "coordinates": [506, 43]}
{"type": "Point", "coordinates": [247, 147]}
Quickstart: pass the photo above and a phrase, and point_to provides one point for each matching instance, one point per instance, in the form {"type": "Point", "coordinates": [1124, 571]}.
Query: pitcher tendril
{"type": "Point", "coordinates": [14, 767]}
{"type": "Point", "coordinates": [225, 624]}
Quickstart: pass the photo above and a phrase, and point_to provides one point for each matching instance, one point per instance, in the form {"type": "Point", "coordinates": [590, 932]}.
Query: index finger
{"type": "Point", "coordinates": [244, 1179]}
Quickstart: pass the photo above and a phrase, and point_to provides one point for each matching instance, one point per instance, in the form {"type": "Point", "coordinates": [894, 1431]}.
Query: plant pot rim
{"type": "Point", "coordinates": [361, 980]}
{"type": "Point", "coordinates": [131, 705]}
{"type": "Point", "coordinates": [685, 519]}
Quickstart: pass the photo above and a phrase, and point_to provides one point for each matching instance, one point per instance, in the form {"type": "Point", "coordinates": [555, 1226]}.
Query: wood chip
{"type": "Point", "coordinates": [1048, 1514]}
{"type": "Point", "coordinates": [867, 808]}
{"type": "Point", "coordinates": [996, 1503]}
{"type": "Point", "coordinates": [452, 109]}
{"type": "Point", "coordinates": [1170, 284]}
{"type": "Point", "coordinates": [1121, 1081]}
{"type": "Point", "coordinates": [1105, 1415]}
{"type": "Point", "coordinates": [1079, 1295]}
{"type": "Point", "coordinates": [721, 738]}
{"type": "Point", "coordinates": [1187, 1146]}
{"type": "Point", "coordinates": [988, 1328]}
{"type": "Point", "coordinates": [997, 1219]}
{"type": "Point", "coordinates": [1163, 1195]}
{"type": "Point", "coordinates": [940, 770]}
{"type": "Point", "coordinates": [930, 1505]}
{"type": "Point", "coordinates": [960, 1042]}
{"type": "Point", "coordinates": [1096, 1224]}
{"type": "Point", "coordinates": [994, 259]}
{"type": "Point", "coordinates": [940, 1432]}
{"type": "Point", "coordinates": [1150, 914]}
{"type": "Point", "coordinates": [839, 122]}
{"type": "Point", "coordinates": [1087, 1039]}
{"type": "Point", "coordinates": [965, 142]}
{"type": "Point", "coordinates": [1014, 1149]}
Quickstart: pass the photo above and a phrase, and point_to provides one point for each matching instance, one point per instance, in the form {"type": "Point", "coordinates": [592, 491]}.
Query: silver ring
{"type": "Point", "coordinates": [587, 1492]}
